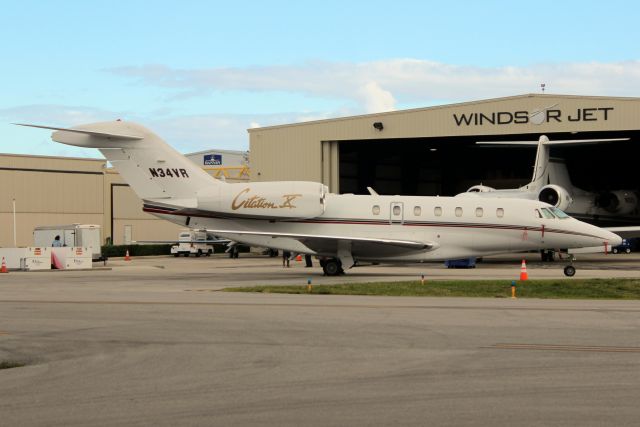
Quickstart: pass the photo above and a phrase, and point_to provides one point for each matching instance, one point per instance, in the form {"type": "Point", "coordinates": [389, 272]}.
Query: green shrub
{"type": "Point", "coordinates": [136, 250]}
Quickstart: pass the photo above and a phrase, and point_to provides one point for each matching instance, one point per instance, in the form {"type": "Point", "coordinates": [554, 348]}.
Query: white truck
{"type": "Point", "coordinates": [82, 235]}
{"type": "Point", "coordinates": [188, 244]}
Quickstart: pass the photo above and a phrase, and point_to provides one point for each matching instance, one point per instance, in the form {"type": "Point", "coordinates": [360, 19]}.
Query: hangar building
{"type": "Point", "coordinates": [433, 151]}
{"type": "Point", "coordinates": [61, 190]}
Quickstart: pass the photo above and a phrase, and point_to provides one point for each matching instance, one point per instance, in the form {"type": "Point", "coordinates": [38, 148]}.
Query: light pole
{"type": "Point", "coordinates": [15, 242]}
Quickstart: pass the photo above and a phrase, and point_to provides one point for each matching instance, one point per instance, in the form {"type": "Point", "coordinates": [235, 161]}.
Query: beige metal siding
{"type": "Point", "coordinates": [48, 191]}
{"type": "Point", "coordinates": [127, 210]}
{"type": "Point", "coordinates": [143, 229]}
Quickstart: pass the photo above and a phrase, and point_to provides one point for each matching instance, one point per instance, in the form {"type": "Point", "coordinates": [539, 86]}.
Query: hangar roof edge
{"type": "Point", "coordinates": [42, 156]}
{"type": "Point", "coordinates": [436, 107]}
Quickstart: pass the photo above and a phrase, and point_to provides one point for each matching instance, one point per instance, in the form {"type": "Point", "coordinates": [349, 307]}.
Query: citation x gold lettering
{"type": "Point", "coordinates": [257, 202]}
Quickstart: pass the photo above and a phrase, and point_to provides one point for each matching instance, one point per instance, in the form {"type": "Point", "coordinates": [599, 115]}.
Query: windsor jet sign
{"type": "Point", "coordinates": [536, 117]}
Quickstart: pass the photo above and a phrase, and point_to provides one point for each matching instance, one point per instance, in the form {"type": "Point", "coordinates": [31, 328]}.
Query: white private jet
{"type": "Point", "coordinates": [303, 217]}
{"type": "Point", "coordinates": [551, 184]}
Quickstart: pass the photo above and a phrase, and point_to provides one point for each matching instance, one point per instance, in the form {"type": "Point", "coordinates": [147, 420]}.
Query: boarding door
{"type": "Point", "coordinates": [396, 213]}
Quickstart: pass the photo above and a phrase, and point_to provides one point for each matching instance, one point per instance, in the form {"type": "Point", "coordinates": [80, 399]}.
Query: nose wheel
{"type": "Point", "coordinates": [569, 271]}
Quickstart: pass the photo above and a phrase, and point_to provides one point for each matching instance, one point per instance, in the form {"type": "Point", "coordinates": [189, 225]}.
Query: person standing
{"type": "Point", "coordinates": [285, 258]}
{"type": "Point", "coordinates": [57, 243]}
{"type": "Point", "coordinates": [308, 261]}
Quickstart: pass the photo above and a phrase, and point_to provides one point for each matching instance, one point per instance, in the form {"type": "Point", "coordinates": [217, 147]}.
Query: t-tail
{"type": "Point", "coordinates": [154, 170]}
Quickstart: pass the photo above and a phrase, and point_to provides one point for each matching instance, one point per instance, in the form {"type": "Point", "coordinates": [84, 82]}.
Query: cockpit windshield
{"type": "Point", "coordinates": [559, 213]}
{"type": "Point", "coordinates": [547, 213]}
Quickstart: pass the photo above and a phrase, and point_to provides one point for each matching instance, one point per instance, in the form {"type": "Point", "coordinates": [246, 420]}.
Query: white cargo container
{"type": "Point", "coordinates": [71, 258]}
{"type": "Point", "coordinates": [72, 235]}
{"type": "Point", "coordinates": [31, 258]}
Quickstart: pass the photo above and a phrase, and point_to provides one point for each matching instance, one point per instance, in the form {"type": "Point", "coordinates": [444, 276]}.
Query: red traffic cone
{"type": "Point", "coordinates": [299, 258]}
{"type": "Point", "coordinates": [126, 256]}
{"type": "Point", "coordinates": [523, 271]}
{"type": "Point", "coordinates": [3, 269]}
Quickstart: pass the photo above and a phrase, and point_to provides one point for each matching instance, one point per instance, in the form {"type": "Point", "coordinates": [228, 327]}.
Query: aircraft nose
{"type": "Point", "coordinates": [613, 239]}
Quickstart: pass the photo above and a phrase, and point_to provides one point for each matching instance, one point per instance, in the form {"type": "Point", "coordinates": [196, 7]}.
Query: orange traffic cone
{"type": "Point", "coordinates": [523, 271]}
{"type": "Point", "coordinates": [299, 258]}
{"type": "Point", "coordinates": [126, 256]}
{"type": "Point", "coordinates": [3, 269]}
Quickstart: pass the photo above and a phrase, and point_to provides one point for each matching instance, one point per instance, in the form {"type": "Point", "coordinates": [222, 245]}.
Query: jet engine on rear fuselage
{"type": "Point", "coordinates": [620, 202]}
{"type": "Point", "coordinates": [556, 196]}
{"type": "Point", "coordinates": [268, 200]}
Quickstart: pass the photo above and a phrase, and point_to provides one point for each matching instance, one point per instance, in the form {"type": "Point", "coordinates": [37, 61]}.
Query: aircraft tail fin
{"type": "Point", "coordinates": [153, 169]}
{"type": "Point", "coordinates": [541, 167]}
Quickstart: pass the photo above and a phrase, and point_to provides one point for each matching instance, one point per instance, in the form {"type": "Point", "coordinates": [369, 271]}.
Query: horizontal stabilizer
{"type": "Point", "coordinates": [555, 142]}
{"type": "Point", "coordinates": [107, 135]}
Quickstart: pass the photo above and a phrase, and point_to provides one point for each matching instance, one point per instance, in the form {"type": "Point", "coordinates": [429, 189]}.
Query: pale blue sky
{"type": "Point", "coordinates": [200, 73]}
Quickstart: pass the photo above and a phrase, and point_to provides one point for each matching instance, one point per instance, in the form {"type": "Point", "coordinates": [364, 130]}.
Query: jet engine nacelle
{"type": "Point", "coordinates": [285, 199]}
{"type": "Point", "coordinates": [620, 202]}
{"type": "Point", "coordinates": [480, 189]}
{"type": "Point", "coordinates": [556, 196]}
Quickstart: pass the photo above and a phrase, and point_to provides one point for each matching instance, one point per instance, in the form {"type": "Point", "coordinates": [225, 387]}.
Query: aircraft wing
{"type": "Point", "coordinates": [183, 241]}
{"type": "Point", "coordinates": [326, 243]}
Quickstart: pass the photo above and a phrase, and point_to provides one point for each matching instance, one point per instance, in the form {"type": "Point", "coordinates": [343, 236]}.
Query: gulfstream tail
{"type": "Point", "coordinates": [551, 184]}
{"type": "Point", "coordinates": [304, 217]}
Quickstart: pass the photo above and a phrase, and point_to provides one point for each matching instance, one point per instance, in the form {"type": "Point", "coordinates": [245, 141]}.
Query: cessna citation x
{"type": "Point", "coordinates": [303, 217]}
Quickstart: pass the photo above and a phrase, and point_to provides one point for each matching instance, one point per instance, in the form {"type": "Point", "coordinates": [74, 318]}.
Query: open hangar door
{"type": "Point", "coordinates": [448, 166]}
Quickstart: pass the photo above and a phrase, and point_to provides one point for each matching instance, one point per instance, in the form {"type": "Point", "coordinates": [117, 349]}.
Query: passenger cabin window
{"type": "Point", "coordinates": [458, 211]}
{"type": "Point", "coordinates": [500, 212]}
{"type": "Point", "coordinates": [396, 210]}
{"type": "Point", "coordinates": [547, 213]}
{"type": "Point", "coordinates": [479, 212]}
{"type": "Point", "coordinates": [559, 213]}
{"type": "Point", "coordinates": [417, 210]}
{"type": "Point", "coordinates": [437, 211]}
{"type": "Point", "coordinates": [376, 210]}
{"type": "Point", "coordinates": [538, 214]}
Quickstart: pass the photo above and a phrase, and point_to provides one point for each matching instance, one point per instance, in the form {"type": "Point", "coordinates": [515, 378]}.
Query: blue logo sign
{"type": "Point", "coordinates": [213, 159]}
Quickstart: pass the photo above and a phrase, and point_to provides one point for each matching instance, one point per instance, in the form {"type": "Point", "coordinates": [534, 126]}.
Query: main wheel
{"type": "Point", "coordinates": [569, 271]}
{"type": "Point", "coordinates": [332, 267]}
{"type": "Point", "coordinates": [199, 253]}
{"type": "Point", "coordinates": [209, 252]}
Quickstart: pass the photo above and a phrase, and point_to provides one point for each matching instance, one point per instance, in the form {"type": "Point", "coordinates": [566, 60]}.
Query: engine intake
{"type": "Point", "coordinates": [620, 202]}
{"type": "Point", "coordinates": [556, 196]}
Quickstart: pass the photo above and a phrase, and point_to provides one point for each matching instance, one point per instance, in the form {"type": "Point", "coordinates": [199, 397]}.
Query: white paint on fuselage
{"type": "Point", "coordinates": [467, 235]}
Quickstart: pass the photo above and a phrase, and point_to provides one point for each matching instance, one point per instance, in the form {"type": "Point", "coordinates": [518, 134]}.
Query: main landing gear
{"type": "Point", "coordinates": [331, 267]}
{"type": "Point", "coordinates": [570, 270]}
